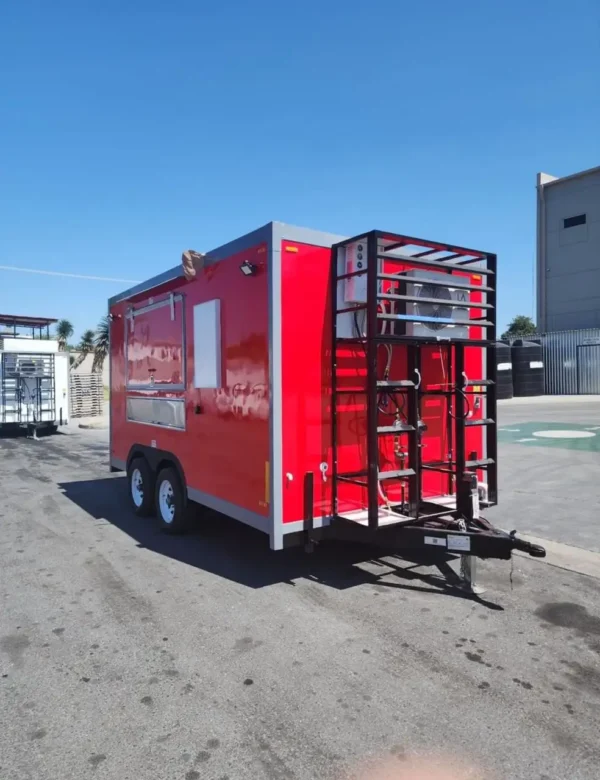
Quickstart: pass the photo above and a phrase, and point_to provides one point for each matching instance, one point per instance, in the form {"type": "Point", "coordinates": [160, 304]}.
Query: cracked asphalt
{"type": "Point", "coordinates": [128, 655]}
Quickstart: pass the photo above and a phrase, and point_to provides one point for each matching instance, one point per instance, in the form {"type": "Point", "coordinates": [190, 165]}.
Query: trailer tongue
{"type": "Point", "coordinates": [315, 387]}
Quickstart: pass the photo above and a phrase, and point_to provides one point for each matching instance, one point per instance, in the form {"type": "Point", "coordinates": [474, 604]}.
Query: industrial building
{"type": "Point", "coordinates": [568, 281]}
{"type": "Point", "coordinates": [568, 251]}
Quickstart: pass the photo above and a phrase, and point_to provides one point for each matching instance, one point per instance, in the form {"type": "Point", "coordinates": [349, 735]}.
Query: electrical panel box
{"type": "Point", "coordinates": [355, 288]}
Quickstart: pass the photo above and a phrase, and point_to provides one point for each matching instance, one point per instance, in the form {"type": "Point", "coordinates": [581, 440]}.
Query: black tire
{"type": "Point", "coordinates": [171, 502]}
{"type": "Point", "coordinates": [141, 495]}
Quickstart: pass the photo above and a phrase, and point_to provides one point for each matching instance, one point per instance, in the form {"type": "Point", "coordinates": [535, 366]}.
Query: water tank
{"type": "Point", "coordinates": [504, 380]}
{"type": "Point", "coordinates": [528, 368]}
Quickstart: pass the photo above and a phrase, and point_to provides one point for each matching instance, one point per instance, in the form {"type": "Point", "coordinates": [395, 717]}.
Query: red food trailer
{"type": "Point", "coordinates": [314, 386]}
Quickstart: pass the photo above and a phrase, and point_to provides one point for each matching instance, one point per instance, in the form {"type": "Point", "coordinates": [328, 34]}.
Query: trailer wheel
{"type": "Point", "coordinates": [170, 500]}
{"type": "Point", "coordinates": [141, 488]}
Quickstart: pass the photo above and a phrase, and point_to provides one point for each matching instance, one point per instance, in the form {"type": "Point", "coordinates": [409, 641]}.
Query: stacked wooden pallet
{"type": "Point", "coordinates": [86, 395]}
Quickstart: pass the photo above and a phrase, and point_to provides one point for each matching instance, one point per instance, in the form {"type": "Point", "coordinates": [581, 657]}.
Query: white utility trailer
{"type": "Point", "coordinates": [34, 376]}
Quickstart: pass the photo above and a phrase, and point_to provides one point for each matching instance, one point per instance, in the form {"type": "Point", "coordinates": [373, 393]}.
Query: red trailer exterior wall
{"type": "Point", "coordinates": [306, 370]}
{"type": "Point", "coordinates": [225, 448]}
{"type": "Point", "coordinates": [306, 332]}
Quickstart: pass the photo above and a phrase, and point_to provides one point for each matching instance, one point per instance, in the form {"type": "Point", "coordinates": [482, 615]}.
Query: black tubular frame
{"type": "Point", "coordinates": [372, 395]}
{"type": "Point", "coordinates": [383, 247]}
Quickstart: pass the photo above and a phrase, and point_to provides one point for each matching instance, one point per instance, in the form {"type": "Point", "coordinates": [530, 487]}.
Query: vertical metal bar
{"type": "Point", "coordinates": [309, 518]}
{"type": "Point", "coordinates": [468, 568]}
{"type": "Point", "coordinates": [463, 492]}
{"type": "Point", "coordinates": [184, 340]}
{"type": "Point", "coordinates": [449, 425]}
{"type": "Point", "coordinates": [334, 397]}
{"type": "Point", "coordinates": [491, 406]}
{"type": "Point", "coordinates": [413, 363]}
{"type": "Point", "coordinates": [372, 411]}
{"type": "Point", "coordinates": [544, 341]}
{"type": "Point", "coordinates": [468, 574]}
{"type": "Point", "coordinates": [567, 384]}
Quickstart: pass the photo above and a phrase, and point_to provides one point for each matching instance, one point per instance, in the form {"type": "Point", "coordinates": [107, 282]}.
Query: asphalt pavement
{"type": "Point", "coordinates": [129, 655]}
{"type": "Point", "coordinates": [549, 457]}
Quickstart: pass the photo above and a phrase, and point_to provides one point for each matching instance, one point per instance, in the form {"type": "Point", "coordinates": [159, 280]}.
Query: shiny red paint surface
{"type": "Point", "coordinates": [306, 370]}
{"type": "Point", "coordinates": [225, 449]}
{"type": "Point", "coordinates": [306, 400]}
{"type": "Point", "coordinates": [306, 397]}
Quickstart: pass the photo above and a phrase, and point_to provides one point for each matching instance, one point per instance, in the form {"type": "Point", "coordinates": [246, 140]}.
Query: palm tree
{"type": "Point", "coordinates": [64, 331]}
{"type": "Point", "coordinates": [101, 343]}
{"type": "Point", "coordinates": [86, 346]}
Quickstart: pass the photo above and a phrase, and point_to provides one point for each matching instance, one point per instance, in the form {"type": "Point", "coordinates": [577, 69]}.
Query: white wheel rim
{"type": "Point", "coordinates": [137, 487]}
{"type": "Point", "coordinates": [166, 501]}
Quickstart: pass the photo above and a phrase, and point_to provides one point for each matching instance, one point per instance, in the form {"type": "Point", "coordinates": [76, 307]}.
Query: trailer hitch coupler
{"type": "Point", "coordinates": [534, 550]}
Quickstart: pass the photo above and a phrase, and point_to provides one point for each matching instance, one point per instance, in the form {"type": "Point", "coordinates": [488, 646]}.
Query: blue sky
{"type": "Point", "coordinates": [133, 130]}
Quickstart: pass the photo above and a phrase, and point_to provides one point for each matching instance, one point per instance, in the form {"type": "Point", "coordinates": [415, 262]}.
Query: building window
{"type": "Point", "coordinates": [580, 219]}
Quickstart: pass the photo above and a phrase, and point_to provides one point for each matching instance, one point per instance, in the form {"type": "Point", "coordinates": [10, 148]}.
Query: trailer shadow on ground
{"type": "Point", "coordinates": [229, 549]}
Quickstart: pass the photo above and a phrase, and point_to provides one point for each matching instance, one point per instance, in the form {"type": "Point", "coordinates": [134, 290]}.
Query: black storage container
{"type": "Point", "coordinates": [504, 380]}
{"type": "Point", "coordinates": [527, 368]}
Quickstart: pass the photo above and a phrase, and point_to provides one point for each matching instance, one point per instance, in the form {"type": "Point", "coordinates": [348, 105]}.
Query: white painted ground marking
{"type": "Point", "coordinates": [563, 434]}
{"type": "Point", "coordinates": [510, 430]}
{"type": "Point", "coordinates": [519, 441]}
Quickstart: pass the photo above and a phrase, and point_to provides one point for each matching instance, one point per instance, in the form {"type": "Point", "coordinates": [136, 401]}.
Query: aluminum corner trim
{"type": "Point", "coordinates": [276, 390]}
{"type": "Point", "coordinates": [118, 464]}
{"type": "Point", "coordinates": [303, 235]}
{"type": "Point", "coordinates": [239, 513]}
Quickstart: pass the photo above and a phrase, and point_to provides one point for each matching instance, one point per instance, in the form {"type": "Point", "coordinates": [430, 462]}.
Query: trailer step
{"type": "Point", "coordinates": [402, 428]}
{"type": "Point", "coordinates": [475, 382]}
{"type": "Point", "coordinates": [440, 468]}
{"type": "Point", "coordinates": [473, 423]}
{"type": "Point", "coordinates": [395, 383]}
{"type": "Point", "coordinates": [477, 464]}
{"type": "Point", "coordinates": [386, 517]}
{"type": "Point", "coordinates": [350, 476]}
{"type": "Point", "coordinates": [400, 474]}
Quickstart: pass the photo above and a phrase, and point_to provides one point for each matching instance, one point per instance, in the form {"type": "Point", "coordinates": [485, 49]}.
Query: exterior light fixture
{"type": "Point", "coordinates": [247, 268]}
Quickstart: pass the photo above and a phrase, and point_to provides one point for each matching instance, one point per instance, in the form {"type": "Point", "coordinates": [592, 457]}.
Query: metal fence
{"type": "Point", "coordinates": [86, 395]}
{"type": "Point", "coordinates": [571, 361]}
